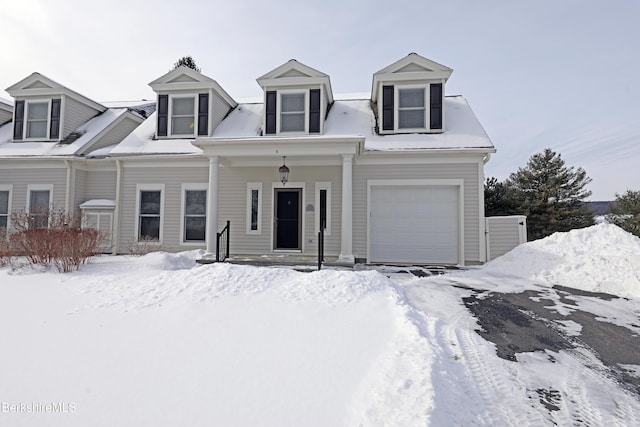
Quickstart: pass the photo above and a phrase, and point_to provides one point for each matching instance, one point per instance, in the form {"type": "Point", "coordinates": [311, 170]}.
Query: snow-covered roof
{"type": "Point", "coordinates": [141, 141]}
{"type": "Point", "coordinates": [85, 134]}
{"type": "Point", "coordinates": [348, 118]}
{"type": "Point", "coordinates": [98, 204]}
{"type": "Point", "coordinates": [6, 101]}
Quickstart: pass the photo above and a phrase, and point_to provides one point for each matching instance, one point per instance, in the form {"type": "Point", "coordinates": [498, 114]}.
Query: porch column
{"type": "Point", "coordinates": [212, 205]}
{"type": "Point", "coordinates": [346, 248]}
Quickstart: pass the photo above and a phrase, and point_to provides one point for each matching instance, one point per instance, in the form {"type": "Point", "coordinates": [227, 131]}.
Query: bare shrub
{"type": "Point", "coordinates": [5, 248]}
{"type": "Point", "coordinates": [143, 246]}
{"type": "Point", "coordinates": [62, 244]}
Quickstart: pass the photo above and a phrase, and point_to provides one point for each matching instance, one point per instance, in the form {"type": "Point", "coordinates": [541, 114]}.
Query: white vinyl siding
{"type": "Point", "coordinates": [73, 115]}
{"type": "Point", "coordinates": [505, 233]}
{"type": "Point", "coordinates": [172, 178]}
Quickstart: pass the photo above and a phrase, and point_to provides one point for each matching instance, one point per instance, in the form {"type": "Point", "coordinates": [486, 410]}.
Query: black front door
{"type": "Point", "coordinates": [287, 219]}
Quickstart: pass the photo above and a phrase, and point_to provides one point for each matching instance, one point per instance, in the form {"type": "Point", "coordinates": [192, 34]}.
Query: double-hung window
{"type": "Point", "coordinates": [37, 119]}
{"type": "Point", "coordinates": [411, 108]}
{"type": "Point", "coordinates": [150, 206]}
{"type": "Point", "coordinates": [292, 112]}
{"type": "Point", "coordinates": [5, 201]}
{"type": "Point", "coordinates": [39, 205]}
{"type": "Point", "coordinates": [194, 212]}
{"type": "Point", "coordinates": [183, 115]}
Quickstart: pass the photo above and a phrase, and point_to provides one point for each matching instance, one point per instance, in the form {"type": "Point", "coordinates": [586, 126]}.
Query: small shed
{"type": "Point", "coordinates": [504, 233]}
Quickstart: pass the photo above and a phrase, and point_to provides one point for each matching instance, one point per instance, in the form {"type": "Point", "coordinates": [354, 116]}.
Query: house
{"type": "Point", "coordinates": [393, 176]}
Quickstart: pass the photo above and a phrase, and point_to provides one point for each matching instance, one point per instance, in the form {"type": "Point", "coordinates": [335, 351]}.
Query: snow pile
{"type": "Point", "coordinates": [601, 258]}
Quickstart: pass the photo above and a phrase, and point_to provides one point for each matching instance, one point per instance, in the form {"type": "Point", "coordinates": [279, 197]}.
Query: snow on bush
{"type": "Point", "coordinates": [601, 258]}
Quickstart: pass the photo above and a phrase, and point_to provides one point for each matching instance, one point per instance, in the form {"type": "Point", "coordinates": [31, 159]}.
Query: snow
{"type": "Point", "coordinates": [98, 203]}
{"type": "Point", "coordinates": [602, 258]}
{"type": "Point", "coordinates": [159, 340]}
{"type": "Point", "coordinates": [88, 132]}
{"type": "Point", "coordinates": [353, 117]}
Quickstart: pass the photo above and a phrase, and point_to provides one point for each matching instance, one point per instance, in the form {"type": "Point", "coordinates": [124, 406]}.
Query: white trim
{"type": "Point", "coordinates": [305, 93]}
{"type": "Point", "coordinates": [170, 133]}
{"type": "Point", "coordinates": [288, 186]}
{"type": "Point", "coordinates": [251, 186]}
{"type": "Point", "coordinates": [323, 186]}
{"type": "Point", "coordinates": [150, 187]}
{"type": "Point", "coordinates": [459, 183]}
{"type": "Point", "coordinates": [9, 188]}
{"type": "Point", "coordinates": [188, 186]}
{"type": "Point", "coordinates": [482, 226]}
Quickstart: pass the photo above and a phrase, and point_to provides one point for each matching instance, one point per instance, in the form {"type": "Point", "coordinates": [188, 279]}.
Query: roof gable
{"type": "Point", "coordinates": [37, 84]}
{"type": "Point", "coordinates": [294, 73]}
{"type": "Point", "coordinates": [412, 67]}
{"type": "Point", "coordinates": [185, 78]}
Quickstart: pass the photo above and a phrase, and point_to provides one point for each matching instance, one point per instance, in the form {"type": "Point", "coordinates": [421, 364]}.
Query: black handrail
{"type": "Point", "coordinates": [320, 248]}
{"type": "Point", "coordinates": [223, 237]}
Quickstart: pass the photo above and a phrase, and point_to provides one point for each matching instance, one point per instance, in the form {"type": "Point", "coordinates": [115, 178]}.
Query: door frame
{"type": "Point", "coordinates": [300, 186]}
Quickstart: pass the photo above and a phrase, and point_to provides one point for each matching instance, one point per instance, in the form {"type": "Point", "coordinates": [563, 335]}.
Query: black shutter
{"type": "Point", "coordinates": [436, 106]}
{"type": "Point", "coordinates": [203, 114]}
{"type": "Point", "coordinates": [314, 111]}
{"type": "Point", "coordinates": [387, 107]}
{"type": "Point", "coordinates": [18, 122]}
{"type": "Point", "coordinates": [163, 114]}
{"type": "Point", "coordinates": [270, 125]}
{"type": "Point", "coordinates": [54, 128]}
{"type": "Point", "coordinates": [323, 210]}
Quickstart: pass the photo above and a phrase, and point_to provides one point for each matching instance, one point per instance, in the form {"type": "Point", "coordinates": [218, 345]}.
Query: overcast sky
{"type": "Point", "coordinates": [562, 74]}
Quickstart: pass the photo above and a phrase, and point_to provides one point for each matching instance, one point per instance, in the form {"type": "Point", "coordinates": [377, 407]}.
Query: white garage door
{"type": "Point", "coordinates": [414, 224]}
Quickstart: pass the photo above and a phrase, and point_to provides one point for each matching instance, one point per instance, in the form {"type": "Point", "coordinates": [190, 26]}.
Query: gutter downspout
{"type": "Point", "coordinates": [67, 197]}
{"type": "Point", "coordinates": [486, 158]}
{"type": "Point", "coordinates": [116, 214]}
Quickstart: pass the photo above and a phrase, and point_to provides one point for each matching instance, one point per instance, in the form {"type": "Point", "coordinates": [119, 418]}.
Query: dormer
{"type": "Point", "coordinates": [189, 104]}
{"type": "Point", "coordinates": [296, 98]}
{"type": "Point", "coordinates": [44, 110]}
{"type": "Point", "coordinates": [6, 111]}
{"type": "Point", "coordinates": [408, 96]}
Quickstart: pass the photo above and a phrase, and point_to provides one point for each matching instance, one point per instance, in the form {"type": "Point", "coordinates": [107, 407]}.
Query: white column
{"type": "Point", "coordinates": [346, 248]}
{"type": "Point", "coordinates": [212, 205]}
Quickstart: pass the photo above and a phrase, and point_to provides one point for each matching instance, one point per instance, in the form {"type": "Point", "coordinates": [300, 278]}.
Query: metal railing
{"type": "Point", "coordinates": [222, 244]}
{"type": "Point", "coordinates": [320, 248]}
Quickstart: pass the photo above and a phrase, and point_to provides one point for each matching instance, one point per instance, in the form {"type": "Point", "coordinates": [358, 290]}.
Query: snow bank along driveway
{"type": "Point", "coordinates": [157, 340]}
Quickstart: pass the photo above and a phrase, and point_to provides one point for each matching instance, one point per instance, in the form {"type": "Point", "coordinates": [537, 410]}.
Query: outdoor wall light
{"type": "Point", "coordinates": [284, 171]}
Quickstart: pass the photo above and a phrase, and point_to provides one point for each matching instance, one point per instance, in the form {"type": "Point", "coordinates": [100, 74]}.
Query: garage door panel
{"type": "Point", "coordinates": [414, 224]}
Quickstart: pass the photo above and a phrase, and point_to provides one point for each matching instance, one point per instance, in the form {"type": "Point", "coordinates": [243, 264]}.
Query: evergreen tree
{"type": "Point", "coordinates": [499, 198]}
{"type": "Point", "coordinates": [625, 212]}
{"type": "Point", "coordinates": [186, 61]}
{"type": "Point", "coordinates": [551, 195]}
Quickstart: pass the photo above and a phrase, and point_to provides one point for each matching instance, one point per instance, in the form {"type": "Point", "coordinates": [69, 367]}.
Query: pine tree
{"type": "Point", "coordinates": [625, 212]}
{"type": "Point", "coordinates": [186, 61]}
{"type": "Point", "coordinates": [551, 195]}
{"type": "Point", "coordinates": [499, 198]}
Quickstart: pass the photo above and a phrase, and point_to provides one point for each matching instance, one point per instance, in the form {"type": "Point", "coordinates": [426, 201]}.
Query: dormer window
{"type": "Point", "coordinates": [412, 108]}
{"type": "Point", "coordinates": [37, 120]}
{"type": "Point", "coordinates": [183, 115]}
{"type": "Point", "coordinates": [292, 112]}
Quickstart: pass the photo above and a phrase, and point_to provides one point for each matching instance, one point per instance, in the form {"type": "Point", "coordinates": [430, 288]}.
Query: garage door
{"type": "Point", "coordinates": [414, 224]}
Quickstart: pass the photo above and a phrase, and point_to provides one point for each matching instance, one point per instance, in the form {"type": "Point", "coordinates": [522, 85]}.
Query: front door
{"type": "Point", "coordinates": [288, 214]}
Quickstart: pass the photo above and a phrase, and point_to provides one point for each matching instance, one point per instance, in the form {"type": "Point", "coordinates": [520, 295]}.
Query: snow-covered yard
{"type": "Point", "coordinates": [159, 340]}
